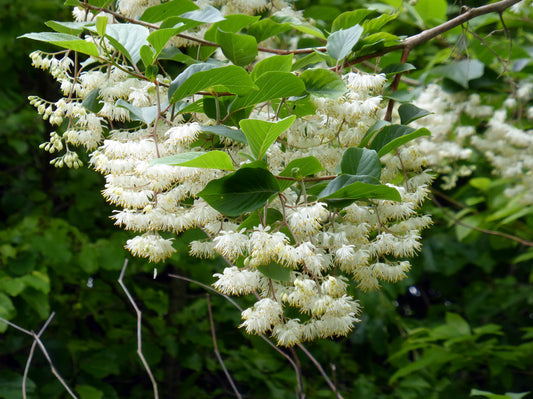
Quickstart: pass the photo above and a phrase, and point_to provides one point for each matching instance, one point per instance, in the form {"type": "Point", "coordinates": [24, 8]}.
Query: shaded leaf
{"type": "Point", "coordinates": [272, 85]}
{"type": "Point", "coordinates": [393, 69]}
{"type": "Point", "coordinates": [349, 187]}
{"type": "Point", "coordinates": [361, 162]}
{"type": "Point", "coordinates": [266, 28]}
{"type": "Point", "coordinates": [461, 72]}
{"type": "Point", "coordinates": [198, 77]}
{"type": "Point", "coordinates": [370, 132]}
{"type": "Point", "coordinates": [243, 191]}
{"type": "Point", "coordinates": [350, 18]}
{"type": "Point", "coordinates": [393, 136]}
{"type": "Point", "coordinates": [323, 83]}
{"type": "Point", "coordinates": [410, 112]}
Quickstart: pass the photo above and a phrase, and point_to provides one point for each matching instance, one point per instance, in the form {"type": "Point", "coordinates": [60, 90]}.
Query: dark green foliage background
{"type": "Point", "coordinates": [462, 320]}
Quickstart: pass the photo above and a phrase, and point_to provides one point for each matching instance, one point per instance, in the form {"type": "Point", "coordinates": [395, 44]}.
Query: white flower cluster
{"type": "Point", "coordinates": [507, 147]}
{"type": "Point", "coordinates": [298, 266]}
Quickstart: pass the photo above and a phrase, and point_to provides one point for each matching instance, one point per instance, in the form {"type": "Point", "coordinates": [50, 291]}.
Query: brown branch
{"type": "Point", "coordinates": [37, 340]}
{"type": "Point", "coordinates": [485, 231]}
{"type": "Point", "coordinates": [139, 334]}
{"type": "Point", "coordinates": [428, 34]}
{"type": "Point", "coordinates": [217, 353]}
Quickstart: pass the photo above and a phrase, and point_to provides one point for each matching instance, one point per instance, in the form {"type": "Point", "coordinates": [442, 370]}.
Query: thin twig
{"type": "Point", "coordinates": [217, 353]}
{"type": "Point", "coordinates": [37, 339]}
{"type": "Point", "coordinates": [139, 334]}
{"type": "Point", "coordinates": [321, 370]}
{"type": "Point", "coordinates": [491, 232]}
{"type": "Point", "coordinates": [230, 300]}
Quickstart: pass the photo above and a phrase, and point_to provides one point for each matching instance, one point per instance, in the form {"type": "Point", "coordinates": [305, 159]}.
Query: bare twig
{"type": "Point", "coordinates": [217, 353]}
{"type": "Point", "coordinates": [139, 334]}
{"type": "Point", "coordinates": [230, 300]}
{"type": "Point", "coordinates": [37, 340]}
{"type": "Point", "coordinates": [321, 370]}
{"type": "Point", "coordinates": [491, 232]}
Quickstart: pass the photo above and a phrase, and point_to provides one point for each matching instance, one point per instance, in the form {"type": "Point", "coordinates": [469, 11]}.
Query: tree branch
{"type": "Point", "coordinates": [217, 352]}
{"type": "Point", "coordinates": [139, 334]}
{"type": "Point", "coordinates": [37, 340]}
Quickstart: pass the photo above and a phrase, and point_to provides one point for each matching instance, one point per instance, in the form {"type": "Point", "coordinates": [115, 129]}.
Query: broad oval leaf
{"type": "Point", "coordinates": [72, 28]}
{"type": "Point", "coordinates": [128, 39]}
{"type": "Point", "coordinates": [206, 160]}
{"type": "Point", "coordinates": [198, 77]}
{"type": "Point", "coordinates": [261, 134]}
{"type": "Point", "coordinates": [65, 40]}
{"type": "Point", "coordinates": [393, 69]}
{"type": "Point", "coordinates": [277, 63]}
{"type": "Point", "coordinates": [272, 85]}
{"type": "Point", "coordinates": [341, 42]}
{"type": "Point", "coordinates": [266, 28]}
{"type": "Point", "coordinates": [461, 72]}
{"type": "Point", "coordinates": [208, 15]}
{"type": "Point", "coordinates": [350, 18]}
{"type": "Point", "coordinates": [159, 38]}
{"type": "Point", "coordinates": [240, 49]}
{"type": "Point", "coordinates": [243, 191]}
{"type": "Point", "coordinates": [347, 187]}
{"type": "Point", "coordinates": [361, 162]}
{"type": "Point", "coordinates": [323, 83]}
{"type": "Point", "coordinates": [370, 132]}
{"type": "Point", "coordinates": [410, 112]}
{"type": "Point", "coordinates": [166, 10]}
{"type": "Point", "coordinates": [301, 167]}
{"type": "Point", "coordinates": [393, 136]}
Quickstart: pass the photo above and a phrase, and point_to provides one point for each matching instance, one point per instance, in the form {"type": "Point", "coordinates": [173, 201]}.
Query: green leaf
{"type": "Point", "coordinates": [272, 85]}
{"type": "Point", "coordinates": [361, 162]}
{"type": "Point", "coordinates": [261, 134]}
{"type": "Point", "coordinates": [101, 24]}
{"type": "Point", "coordinates": [142, 114]}
{"type": "Point", "coordinates": [7, 310]}
{"type": "Point", "coordinates": [220, 130]}
{"type": "Point", "coordinates": [72, 28]}
{"type": "Point", "coordinates": [243, 191]}
{"type": "Point", "coordinates": [37, 301]}
{"type": "Point", "coordinates": [88, 392]}
{"type": "Point", "coordinates": [375, 25]}
{"type": "Point", "coordinates": [165, 10]}
{"type": "Point", "coordinates": [37, 280]}
{"type": "Point", "coordinates": [232, 24]}
{"type": "Point", "coordinates": [147, 55]}
{"type": "Point", "coordinates": [207, 160]}
{"type": "Point", "coordinates": [341, 42]}
{"type": "Point", "coordinates": [64, 40]}
{"type": "Point", "coordinates": [393, 136]}
{"type": "Point", "coordinates": [276, 272]}
{"type": "Point", "coordinates": [92, 103]}
{"type": "Point", "coordinates": [159, 38]}
{"type": "Point", "coordinates": [277, 63]}
{"type": "Point", "coordinates": [299, 26]}
{"type": "Point", "coordinates": [299, 168]}
{"type": "Point", "coordinates": [432, 12]}
{"type": "Point", "coordinates": [349, 187]}
{"type": "Point", "coordinates": [128, 39]}
{"type": "Point", "coordinates": [323, 83]}
{"type": "Point", "coordinates": [370, 132]}
{"type": "Point", "coordinates": [350, 18]}
{"type": "Point", "coordinates": [198, 77]}
{"type": "Point", "coordinates": [401, 96]}
{"type": "Point", "coordinates": [394, 69]}
{"type": "Point", "coordinates": [309, 59]}
{"type": "Point", "coordinates": [266, 28]}
{"type": "Point", "coordinates": [461, 72]}
{"type": "Point", "coordinates": [410, 112]}
{"type": "Point", "coordinates": [240, 49]}
{"type": "Point", "coordinates": [490, 395]}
